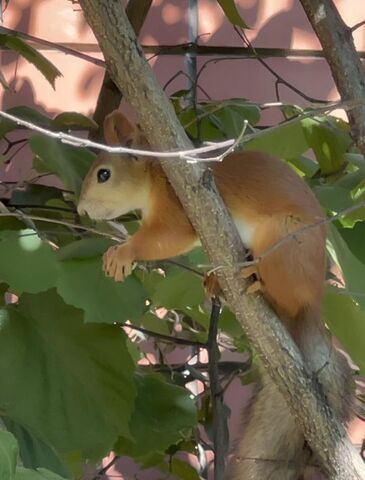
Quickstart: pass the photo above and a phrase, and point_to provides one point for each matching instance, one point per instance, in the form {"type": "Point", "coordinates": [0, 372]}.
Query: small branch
{"type": "Point", "coordinates": [220, 430]}
{"type": "Point", "coordinates": [186, 154]}
{"type": "Point", "coordinates": [53, 46]}
{"type": "Point", "coordinates": [105, 469]}
{"type": "Point", "coordinates": [82, 142]}
{"type": "Point", "coordinates": [279, 78]}
{"type": "Point", "coordinates": [161, 336]}
{"type": "Point", "coordinates": [21, 216]}
{"type": "Point", "coordinates": [356, 26]}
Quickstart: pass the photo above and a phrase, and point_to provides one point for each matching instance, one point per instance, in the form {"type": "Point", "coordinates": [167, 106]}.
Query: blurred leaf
{"type": "Point", "coordinates": [284, 141]}
{"type": "Point", "coordinates": [328, 143]}
{"type": "Point", "coordinates": [35, 194]}
{"type": "Point", "coordinates": [352, 268]}
{"type": "Point", "coordinates": [178, 290]}
{"type": "Point", "coordinates": [69, 163]}
{"type": "Point", "coordinates": [305, 165]}
{"type": "Point", "coordinates": [8, 455]}
{"type": "Point", "coordinates": [35, 453]}
{"type": "Point", "coordinates": [27, 263]}
{"type": "Point", "coordinates": [73, 120]}
{"type": "Point", "coordinates": [163, 412]}
{"type": "Point", "coordinates": [39, 474]}
{"type": "Point", "coordinates": [230, 10]}
{"type": "Point", "coordinates": [347, 322]}
{"type": "Point", "coordinates": [333, 198]}
{"type": "Point", "coordinates": [82, 283]}
{"type": "Point", "coordinates": [85, 248]}
{"type": "Point", "coordinates": [354, 238]}
{"type": "Point", "coordinates": [16, 44]}
{"type": "Point", "coordinates": [68, 382]}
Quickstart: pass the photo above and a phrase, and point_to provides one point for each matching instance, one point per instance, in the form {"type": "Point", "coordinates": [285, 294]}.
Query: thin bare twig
{"type": "Point", "coordinates": [220, 430]}
{"type": "Point", "coordinates": [163, 337]}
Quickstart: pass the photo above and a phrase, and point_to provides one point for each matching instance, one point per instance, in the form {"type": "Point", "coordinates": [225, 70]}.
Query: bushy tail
{"type": "Point", "coordinates": [273, 446]}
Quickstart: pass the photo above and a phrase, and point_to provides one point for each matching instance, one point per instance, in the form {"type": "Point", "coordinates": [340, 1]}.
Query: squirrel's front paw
{"type": "Point", "coordinates": [118, 262]}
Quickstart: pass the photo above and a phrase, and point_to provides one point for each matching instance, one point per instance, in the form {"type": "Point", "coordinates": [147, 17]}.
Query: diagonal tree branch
{"type": "Point", "coordinates": [346, 67]}
{"type": "Point", "coordinates": [195, 188]}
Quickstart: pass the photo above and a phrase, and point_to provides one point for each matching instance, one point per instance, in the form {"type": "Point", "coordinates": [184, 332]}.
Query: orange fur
{"type": "Point", "coordinates": [268, 201]}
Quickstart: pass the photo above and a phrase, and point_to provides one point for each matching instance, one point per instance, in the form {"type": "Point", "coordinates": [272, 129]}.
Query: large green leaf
{"type": "Point", "coordinates": [284, 141]}
{"type": "Point", "coordinates": [32, 55]}
{"type": "Point", "coordinates": [163, 413]}
{"type": "Point", "coordinates": [231, 12]}
{"type": "Point", "coordinates": [70, 383]}
{"type": "Point", "coordinates": [85, 248]}
{"type": "Point", "coordinates": [352, 268]}
{"type": "Point", "coordinates": [332, 197]}
{"type": "Point", "coordinates": [69, 163]}
{"type": "Point", "coordinates": [347, 322]}
{"type": "Point", "coordinates": [27, 263]}
{"type": "Point", "coordinates": [8, 455]}
{"type": "Point", "coordinates": [82, 283]}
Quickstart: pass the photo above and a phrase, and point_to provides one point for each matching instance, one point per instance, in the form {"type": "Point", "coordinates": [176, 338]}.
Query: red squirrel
{"type": "Point", "coordinates": [267, 201]}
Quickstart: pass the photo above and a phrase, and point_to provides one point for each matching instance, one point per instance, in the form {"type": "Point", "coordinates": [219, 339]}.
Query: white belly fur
{"type": "Point", "coordinates": [246, 231]}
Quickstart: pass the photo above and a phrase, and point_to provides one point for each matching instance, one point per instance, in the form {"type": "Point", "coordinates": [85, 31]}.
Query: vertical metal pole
{"type": "Point", "coordinates": [190, 59]}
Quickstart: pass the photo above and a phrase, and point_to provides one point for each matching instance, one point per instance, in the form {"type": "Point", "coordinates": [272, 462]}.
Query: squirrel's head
{"type": "Point", "coordinates": [116, 183]}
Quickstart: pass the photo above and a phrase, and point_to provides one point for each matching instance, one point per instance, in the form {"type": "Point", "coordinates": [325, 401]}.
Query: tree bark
{"type": "Point", "coordinates": [346, 67]}
{"type": "Point", "coordinates": [110, 95]}
{"type": "Point", "coordinates": [195, 188]}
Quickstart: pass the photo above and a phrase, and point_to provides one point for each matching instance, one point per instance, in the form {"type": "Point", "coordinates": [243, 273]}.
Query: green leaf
{"type": "Point", "coordinates": [69, 163]}
{"type": "Point", "coordinates": [284, 141]}
{"type": "Point", "coordinates": [27, 263]}
{"type": "Point", "coordinates": [71, 384]}
{"type": "Point", "coordinates": [347, 322]}
{"type": "Point", "coordinates": [328, 143]}
{"type": "Point", "coordinates": [352, 269]}
{"type": "Point", "coordinates": [39, 474]}
{"type": "Point", "coordinates": [354, 238]}
{"type": "Point", "coordinates": [8, 455]}
{"type": "Point", "coordinates": [18, 45]}
{"type": "Point", "coordinates": [230, 10]}
{"type": "Point", "coordinates": [85, 248]}
{"type": "Point", "coordinates": [73, 120]}
{"type": "Point", "coordinates": [35, 453]}
{"type": "Point", "coordinates": [179, 289]}
{"type": "Point", "coordinates": [82, 283]}
{"type": "Point", "coordinates": [333, 198]}
{"type": "Point", "coordinates": [34, 194]}
{"type": "Point", "coordinates": [163, 412]}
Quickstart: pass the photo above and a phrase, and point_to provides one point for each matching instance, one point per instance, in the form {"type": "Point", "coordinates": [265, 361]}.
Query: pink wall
{"type": "Point", "coordinates": [279, 23]}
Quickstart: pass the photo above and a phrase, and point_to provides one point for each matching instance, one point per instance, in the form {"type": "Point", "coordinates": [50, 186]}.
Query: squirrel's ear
{"type": "Point", "coordinates": [118, 130]}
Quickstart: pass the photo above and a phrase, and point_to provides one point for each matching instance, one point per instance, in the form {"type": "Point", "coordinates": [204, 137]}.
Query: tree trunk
{"type": "Point", "coordinates": [196, 190]}
{"type": "Point", "coordinates": [346, 67]}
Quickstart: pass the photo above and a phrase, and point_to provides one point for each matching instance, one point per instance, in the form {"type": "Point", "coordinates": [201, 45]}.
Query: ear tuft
{"type": "Point", "coordinates": [118, 130]}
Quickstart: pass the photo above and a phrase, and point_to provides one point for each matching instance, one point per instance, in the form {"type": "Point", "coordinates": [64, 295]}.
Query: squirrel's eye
{"type": "Point", "coordinates": [103, 175]}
